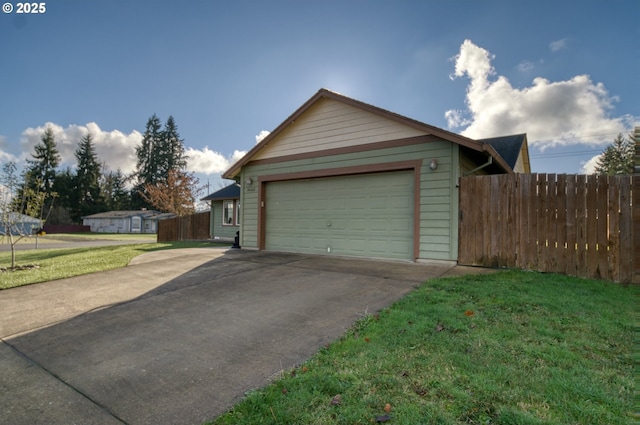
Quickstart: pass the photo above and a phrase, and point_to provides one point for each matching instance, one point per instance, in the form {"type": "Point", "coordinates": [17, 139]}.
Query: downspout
{"type": "Point", "coordinates": [480, 167]}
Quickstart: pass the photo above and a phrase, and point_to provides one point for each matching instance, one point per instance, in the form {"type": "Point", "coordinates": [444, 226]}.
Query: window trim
{"type": "Point", "coordinates": [235, 205]}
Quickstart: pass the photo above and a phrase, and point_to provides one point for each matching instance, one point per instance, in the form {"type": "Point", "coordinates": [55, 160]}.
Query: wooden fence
{"type": "Point", "coordinates": [187, 228]}
{"type": "Point", "coordinates": [580, 225]}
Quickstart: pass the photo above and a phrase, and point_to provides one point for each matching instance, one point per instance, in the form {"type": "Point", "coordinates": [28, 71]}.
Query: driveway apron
{"type": "Point", "coordinates": [179, 337]}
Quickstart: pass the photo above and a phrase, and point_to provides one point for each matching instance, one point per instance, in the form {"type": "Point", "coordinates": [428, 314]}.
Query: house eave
{"type": "Point", "coordinates": [234, 170]}
{"type": "Point", "coordinates": [490, 150]}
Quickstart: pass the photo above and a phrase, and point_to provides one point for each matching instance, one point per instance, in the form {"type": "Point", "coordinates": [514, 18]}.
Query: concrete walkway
{"type": "Point", "coordinates": [179, 336]}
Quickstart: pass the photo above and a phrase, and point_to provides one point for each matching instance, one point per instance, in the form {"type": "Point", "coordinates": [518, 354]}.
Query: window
{"type": "Point", "coordinates": [227, 213]}
{"type": "Point", "coordinates": [136, 223]}
{"type": "Point", "coordinates": [231, 213]}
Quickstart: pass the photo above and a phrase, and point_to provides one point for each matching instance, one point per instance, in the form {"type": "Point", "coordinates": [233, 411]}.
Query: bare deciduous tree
{"type": "Point", "coordinates": [176, 194]}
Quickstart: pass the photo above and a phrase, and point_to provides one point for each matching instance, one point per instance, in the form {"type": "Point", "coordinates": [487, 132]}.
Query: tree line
{"type": "Point", "coordinates": [160, 180]}
{"type": "Point", "coordinates": [619, 157]}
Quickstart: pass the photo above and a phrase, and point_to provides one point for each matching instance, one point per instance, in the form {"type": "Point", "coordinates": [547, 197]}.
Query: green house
{"type": "Point", "coordinates": [342, 177]}
{"type": "Point", "coordinates": [225, 212]}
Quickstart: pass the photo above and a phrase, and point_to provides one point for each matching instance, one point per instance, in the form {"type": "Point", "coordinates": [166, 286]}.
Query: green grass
{"type": "Point", "coordinates": [67, 262]}
{"type": "Point", "coordinates": [69, 237]}
{"type": "Point", "coordinates": [151, 237]}
{"type": "Point", "coordinates": [508, 348]}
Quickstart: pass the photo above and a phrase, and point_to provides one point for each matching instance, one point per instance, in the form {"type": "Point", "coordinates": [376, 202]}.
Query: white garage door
{"type": "Point", "coordinates": [367, 215]}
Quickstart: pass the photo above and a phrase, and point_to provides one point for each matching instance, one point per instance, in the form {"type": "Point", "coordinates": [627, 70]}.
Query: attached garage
{"type": "Point", "coordinates": [366, 215]}
{"type": "Point", "coordinates": [342, 177]}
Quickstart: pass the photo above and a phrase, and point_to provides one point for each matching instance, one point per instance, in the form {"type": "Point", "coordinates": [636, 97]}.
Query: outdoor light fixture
{"type": "Point", "coordinates": [248, 180]}
{"type": "Point", "coordinates": [434, 164]}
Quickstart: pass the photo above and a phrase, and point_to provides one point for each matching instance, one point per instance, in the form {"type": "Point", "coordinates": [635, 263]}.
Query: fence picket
{"type": "Point", "coordinates": [573, 224]}
{"type": "Point", "coordinates": [581, 226]}
{"type": "Point", "coordinates": [626, 230]}
{"type": "Point", "coordinates": [561, 223]}
{"type": "Point", "coordinates": [483, 232]}
{"type": "Point", "coordinates": [603, 269]}
{"type": "Point", "coordinates": [495, 216]}
{"type": "Point", "coordinates": [591, 214]}
{"type": "Point", "coordinates": [614, 231]}
{"type": "Point", "coordinates": [508, 245]}
{"type": "Point", "coordinates": [191, 227]}
{"type": "Point", "coordinates": [551, 251]}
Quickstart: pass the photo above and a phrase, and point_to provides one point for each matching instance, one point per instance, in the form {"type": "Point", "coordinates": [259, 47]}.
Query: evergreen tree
{"type": "Point", "coordinates": [42, 168]}
{"type": "Point", "coordinates": [61, 213]}
{"type": "Point", "coordinates": [147, 165]}
{"type": "Point", "coordinates": [40, 174]}
{"type": "Point", "coordinates": [171, 152]}
{"type": "Point", "coordinates": [87, 178]}
{"type": "Point", "coordinates": [113, 187]}
{"type": "Point", "coordinates": [160, 153]}
{"type": "Point", "coordinates": [617, 158]}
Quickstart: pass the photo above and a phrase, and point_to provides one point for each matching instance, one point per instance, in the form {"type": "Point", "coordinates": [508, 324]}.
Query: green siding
{"type": "Point", "coordinates": [217, 229]}
{"type": "Point", "coordinates": [438, 191]}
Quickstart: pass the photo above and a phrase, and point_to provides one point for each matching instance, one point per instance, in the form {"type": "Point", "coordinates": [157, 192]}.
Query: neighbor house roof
{"type": "Point", "coordinates": [14, 217]}
{"type": "Point", "coordinates": [145, 214]}
{"type": "Point", "coordinates": [328, 94]}
{"type": "Point", "coordinates": [230, 192]}
{"type": "Point", "coordinates": [508, 147]}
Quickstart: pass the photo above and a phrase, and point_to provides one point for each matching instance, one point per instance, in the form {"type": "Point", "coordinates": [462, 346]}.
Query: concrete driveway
{"type": "Point", "coordinates": [178, 337]}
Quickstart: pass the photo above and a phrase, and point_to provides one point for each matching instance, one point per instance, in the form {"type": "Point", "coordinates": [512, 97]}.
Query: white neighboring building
{"type": "Point", "coordinates": [138, 221]}
{"type": "Point", "coordinates": [20, 224]}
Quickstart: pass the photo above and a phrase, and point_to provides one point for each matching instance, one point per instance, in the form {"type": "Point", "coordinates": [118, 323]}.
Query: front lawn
{"type": "Point", "coordinates": [507, 348]}
{"type": "Point", "coordinates": [67, 262]}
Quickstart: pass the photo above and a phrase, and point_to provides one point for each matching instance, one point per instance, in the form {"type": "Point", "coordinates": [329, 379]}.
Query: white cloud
{"type": "Point", "coordinates": [558, 45]}
{"type": "Point", "coordinates": [589, 167]}
{"type": "Point", "coordinates": [209, 162]}
{"type": "Point", "coordinates": [4, 155]}
{"type": "Point", "coordinates": [551, 113]}
{"type": "Point", "coordinates": [473, 61]}
{"type": "Point", "coordinates": [262, 135]}
{"type": "Point", "coordinates": [525, 66]}
{"type": "Point", "coordinates": [115, 148]}
{"type": "Point", "coordinates": [456, 118]}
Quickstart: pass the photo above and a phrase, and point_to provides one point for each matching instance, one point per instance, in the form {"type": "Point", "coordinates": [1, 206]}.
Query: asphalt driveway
{"type": "Point", "coordinates": [178, 337]}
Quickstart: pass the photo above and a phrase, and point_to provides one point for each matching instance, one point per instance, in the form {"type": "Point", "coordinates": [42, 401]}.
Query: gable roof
{"type": "Point", "coordinates": [14, 217]}
{"type": "Point", "coordinates": [328, 94]}
{"type": "Point", "coordinates": [508, 147]}
{"type": "Point", "coordinates": [230, 192]}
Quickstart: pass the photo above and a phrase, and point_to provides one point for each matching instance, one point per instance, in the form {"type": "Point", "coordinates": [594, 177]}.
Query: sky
{"type": "Point", "coordinates": [564, 72]}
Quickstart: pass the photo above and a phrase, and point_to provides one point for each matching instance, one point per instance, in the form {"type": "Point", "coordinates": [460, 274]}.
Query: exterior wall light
{"type": "Point", "coordinates": [248, 180]}
{"type": "Point", "coordinates": [434, 164]}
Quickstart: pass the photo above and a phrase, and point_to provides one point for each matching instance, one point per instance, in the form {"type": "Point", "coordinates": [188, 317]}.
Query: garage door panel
{"type": "Point", "coordinates": [400, 247]}
{"type": "Point", "coordinates": [357, 203]}
{"type": "Point", "coordinates": [362, 215]}
{"type": "Point", "coordinates": [401, 224]}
